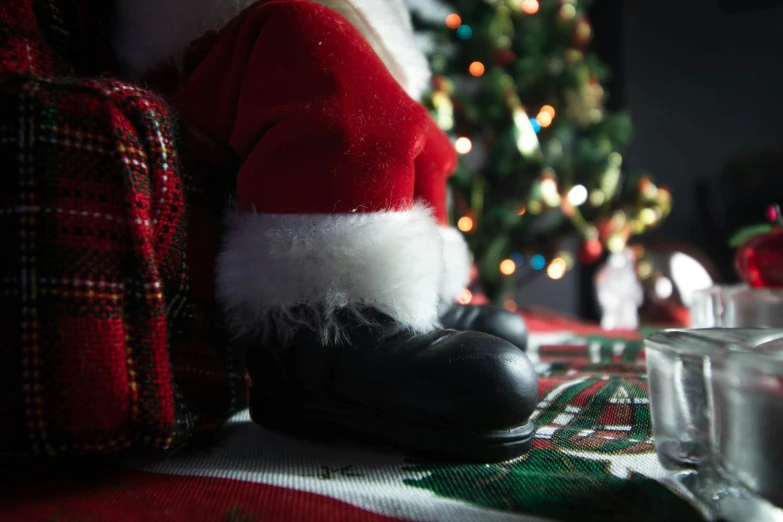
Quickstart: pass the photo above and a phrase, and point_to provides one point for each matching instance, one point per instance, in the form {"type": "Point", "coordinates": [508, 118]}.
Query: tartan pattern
{"type": "Point", "coordinates": [593, 393]}
{"type": "Point", "coordinates": [106, 344]}
{"type": "Point", "coordinates": [593, 455]}
{"type": "Point", "coordinates": [575, 352]}
{"type": "Point", "coordinates": [592, 460]}
{"type": "Point", "coordinates": [604, 414]}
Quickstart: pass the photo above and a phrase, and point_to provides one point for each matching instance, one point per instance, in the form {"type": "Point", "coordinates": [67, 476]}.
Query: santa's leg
{"type": "Point", "coordinates": [433, 166]}
{"type": "Point", "coordinates": [328, 262]}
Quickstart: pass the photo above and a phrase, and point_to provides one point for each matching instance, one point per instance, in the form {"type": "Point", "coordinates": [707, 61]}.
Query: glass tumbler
{"type": "Point", "coordinates": [716, 398]}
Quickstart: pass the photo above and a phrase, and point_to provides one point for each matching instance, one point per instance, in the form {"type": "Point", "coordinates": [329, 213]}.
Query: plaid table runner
{"type": "Point", "coordinates": [593, 459]}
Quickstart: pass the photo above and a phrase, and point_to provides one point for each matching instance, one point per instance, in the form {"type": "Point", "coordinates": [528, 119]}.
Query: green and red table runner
{"type": "Point", "coordinates": [593, 458]}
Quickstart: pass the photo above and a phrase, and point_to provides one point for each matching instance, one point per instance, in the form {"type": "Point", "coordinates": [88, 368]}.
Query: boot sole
{"type": "Point", "coordinates": [316, 419]}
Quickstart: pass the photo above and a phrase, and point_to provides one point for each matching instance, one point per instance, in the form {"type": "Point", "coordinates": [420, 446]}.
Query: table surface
{"type": "Point", "coordinates": [592, 459]}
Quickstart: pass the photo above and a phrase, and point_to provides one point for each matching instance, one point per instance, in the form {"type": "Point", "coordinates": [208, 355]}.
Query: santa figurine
{"type": "Point", "coordinates": [619, 292]}
{"type": "Point", "coordinates": [336, 260]}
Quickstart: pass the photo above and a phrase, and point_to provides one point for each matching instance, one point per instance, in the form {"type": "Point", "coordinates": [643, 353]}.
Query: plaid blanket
{"type": "Point", "coordinates": [102, 296]}
{"type": "Point", "coordinates": [592, 460]}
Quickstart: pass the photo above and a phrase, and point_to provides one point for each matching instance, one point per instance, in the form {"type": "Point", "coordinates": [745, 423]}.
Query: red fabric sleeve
{"type": "Point", "coordinates": [433, 167]}
{"type": "Point", "coordinates": [305, 102]}
{"type": "Point", "coordinates": [102, 346]}
{"type": "Point", "coordinates": [22, 47]}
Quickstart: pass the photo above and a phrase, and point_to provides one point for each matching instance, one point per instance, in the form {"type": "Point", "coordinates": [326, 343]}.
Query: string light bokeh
{"type": "Point", "coordinates": [598, 207]}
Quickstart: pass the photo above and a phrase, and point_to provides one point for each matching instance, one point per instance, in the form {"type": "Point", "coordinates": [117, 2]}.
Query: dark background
{"type": "Point", "coordinates": [703, 81]}
{"type": "Point", "coordinates": [735, 6]}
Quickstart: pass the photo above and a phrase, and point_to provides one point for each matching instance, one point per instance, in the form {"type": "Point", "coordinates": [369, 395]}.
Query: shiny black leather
{"type": "Point", "coordinates": [460, 394]}
{"type": "Point", "coordinates": [487, 319]}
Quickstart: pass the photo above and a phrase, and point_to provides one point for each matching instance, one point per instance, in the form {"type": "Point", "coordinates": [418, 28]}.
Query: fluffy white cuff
{"type": "Point", "coordinates": [456, 262]}
{"type": "Point", "coordinates": [282, 272]}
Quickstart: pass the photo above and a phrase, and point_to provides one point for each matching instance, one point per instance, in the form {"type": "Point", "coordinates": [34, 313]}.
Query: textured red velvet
{"type": "Point", "coordinates": [433, 167]}
{"type": "Point", "coordinates": [320, 124]}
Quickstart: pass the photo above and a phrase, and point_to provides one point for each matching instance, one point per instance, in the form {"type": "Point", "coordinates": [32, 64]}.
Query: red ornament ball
{"type": "Point", "coordinates": [759, 262]}
{"type": "Point", "coordinates": [605, 229]}
{"type": "Point", "coordinates": [439, 83]}
{"type": "Point", "coordinates": [474, 273]}
{"type": "Point", "coordinates": [773, 213]}
{"type": "Point", "coordinates": [505, 56]}
{"type": "Point", "coordinates": [590, 251]}
{"type": "Point", "coordinates": [583, 32]}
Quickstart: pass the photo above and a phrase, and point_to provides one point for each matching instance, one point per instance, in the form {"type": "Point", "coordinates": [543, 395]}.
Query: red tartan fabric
{"type": "Point", "coordinates": [109, 338]}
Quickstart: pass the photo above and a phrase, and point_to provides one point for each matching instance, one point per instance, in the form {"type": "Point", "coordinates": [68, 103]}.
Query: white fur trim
{"type": "Point", "coordinates": [282, 272]}
{"type": "Point", "coordinates": [457, 261]}
{"type": "Point", "coordinates": [147, 33]}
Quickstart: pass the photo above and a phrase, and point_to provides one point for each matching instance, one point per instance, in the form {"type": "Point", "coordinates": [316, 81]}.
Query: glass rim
{"type": "Point", "coordinates": [731, 345]}
{"type": "Point", "coordinates": [737, 288]}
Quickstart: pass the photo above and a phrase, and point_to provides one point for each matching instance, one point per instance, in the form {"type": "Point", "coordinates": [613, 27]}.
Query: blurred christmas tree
{"type": "Point", "coordinates": [517, 88]}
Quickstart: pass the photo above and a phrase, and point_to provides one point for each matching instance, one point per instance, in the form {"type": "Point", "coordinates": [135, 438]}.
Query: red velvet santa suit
{"type": "Point", "coordinates": [340, 200]}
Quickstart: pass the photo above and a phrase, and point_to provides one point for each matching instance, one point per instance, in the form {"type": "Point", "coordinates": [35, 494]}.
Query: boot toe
{"type": "Point", "coordinates": [502, 323]}
{"type": "Point", "coordinates": [462, 394]}
{"type": "Point", "coordinates": [463, 380]}
{"type": "Point", "coordinates": [487, 319]}
{"type": "Point", "coordinates": [487, 382]}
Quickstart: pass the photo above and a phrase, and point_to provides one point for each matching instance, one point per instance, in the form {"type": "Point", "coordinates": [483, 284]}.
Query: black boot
{"type": "Point", "coordinates": [487, 319]}
{"type": "Point", "coordinates": [465, 395]}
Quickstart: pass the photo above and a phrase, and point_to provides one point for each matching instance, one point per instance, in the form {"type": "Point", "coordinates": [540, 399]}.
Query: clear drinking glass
{"type": "Point", "coordinates": [716, 398]}
{"type": "Point", "coordinates": [737, 306]}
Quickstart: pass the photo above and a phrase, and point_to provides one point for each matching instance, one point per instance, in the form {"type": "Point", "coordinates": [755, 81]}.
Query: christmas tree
{"type": "Point", "coordinates": [516, 86]}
